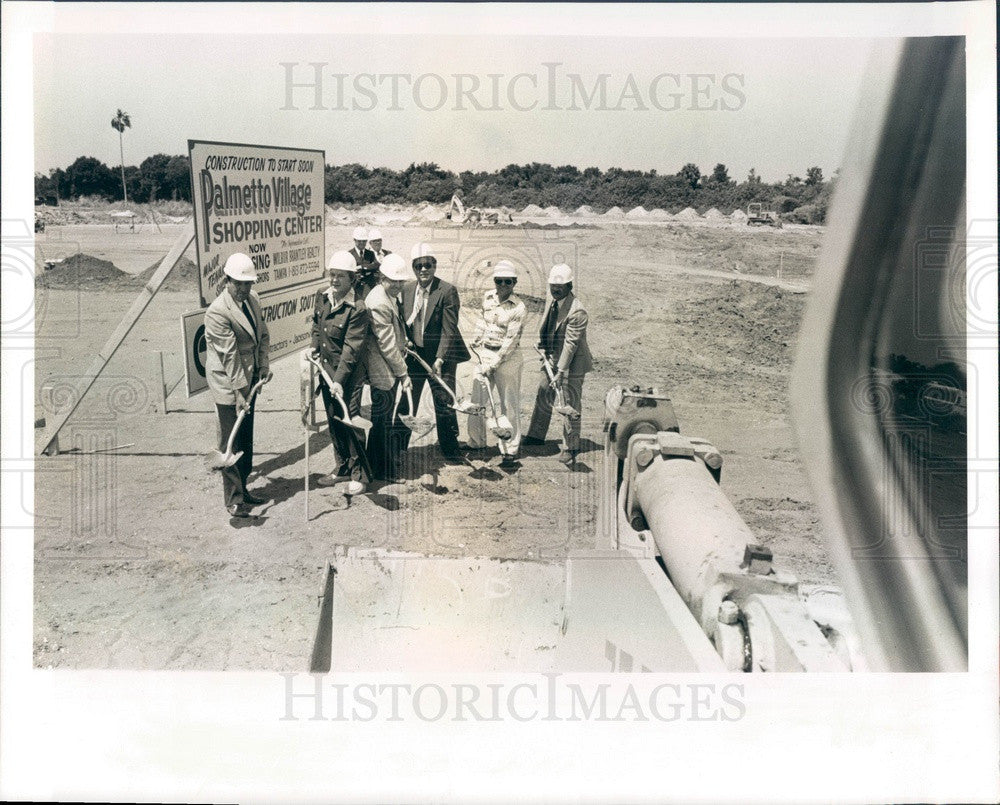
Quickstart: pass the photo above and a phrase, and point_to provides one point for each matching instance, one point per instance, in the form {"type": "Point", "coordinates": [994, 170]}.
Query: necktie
{"type": "Point", "coordinates": [549, 330]}
{"type": "Point", "coordinates": [419, 303]}
{"type": "Point", "coordinates": [249, 315]}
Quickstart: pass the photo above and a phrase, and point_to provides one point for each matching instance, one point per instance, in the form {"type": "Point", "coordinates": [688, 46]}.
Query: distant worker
{"type": "Point", "coordinates": [385, 359]}
{"type": "Point", "coordinates": [497, 340]}
{"type": "Point", "coordinates": [236, 340]}
{"type": "Point", "coordinates": [339, 332]}
{"type": "Point", "coordinates": [563, 339]}
{"type": "Point", "coordinates": [360, 252]}
{"type": "Point", "coordinates": [430, 311]}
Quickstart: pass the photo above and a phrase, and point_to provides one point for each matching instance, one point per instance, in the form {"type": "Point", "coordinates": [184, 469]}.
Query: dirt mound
{"type": "Point", "coordinates": [660, 215]}
{"type": "Point", "coordinates": [584, 209]}
{"type": "Point", "coordinates": [687, 214]}
{"type": "Point", "coordinates": [184, 277]}
{"type": "Point", "coordinates": [614, 212]}
{"type": "Point", "coordinates": [714, 215]}
{"type": "Point", "coordinates": [553, 211]}
{"type": "Point", "coordinates": [85, 273]}
{"type": "Point", "coordinates": [739, 216]}
{"type": "Point", "coordinates": [639, 212]}
{"type": "Point", "coordinates": [532, 209]}
{"type": "Point", "coordinates": [744, 324]}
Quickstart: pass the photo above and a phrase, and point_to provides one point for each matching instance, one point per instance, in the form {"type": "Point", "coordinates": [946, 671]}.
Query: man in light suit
{"type": "Point", "coordinates": [430, 311]}
{"type": "Point", "coordinates": [385, 361]}
{"type": "Point", "coordinates": [237, 341]}
{"type": "Point", "coordinates": [563, 338]}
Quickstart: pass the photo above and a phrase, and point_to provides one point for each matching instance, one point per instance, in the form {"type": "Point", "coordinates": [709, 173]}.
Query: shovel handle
{"type": "Point", "coordinates": [399, 397]}
{"type": "Point", "coordinates": [546, 364]}
{"type": "Point", "coordinates": [433, 374]}
{"type": "Point", "coordinates": [242, 415]}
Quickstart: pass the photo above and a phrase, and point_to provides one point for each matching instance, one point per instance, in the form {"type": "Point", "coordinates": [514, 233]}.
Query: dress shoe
{"type": "Point", "coordinates": [508, 460]}
{"type": "Point", "coordinates": [567, 457]}
{"type": "Point", "coordinates": [238, 510]}
{"type": "Point", "coordinates": [532, 441]}
{"type": "Point", "coordinates": [329, 480]}
{"type": "Point", "coordinates": [253, 500]}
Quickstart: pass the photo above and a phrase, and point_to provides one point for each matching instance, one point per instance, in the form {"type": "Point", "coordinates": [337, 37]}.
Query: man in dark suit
{"type": "Point", "coordinates": [563, 338]}
{"type": "Point", "coordinates": [430, 310]}
{"type": "Point", "coordinates": [237, 342]}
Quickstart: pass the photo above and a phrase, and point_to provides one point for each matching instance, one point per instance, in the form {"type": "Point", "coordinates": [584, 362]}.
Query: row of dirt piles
{"type": "Point", "coordinates": [99, 212]}
{"type": "Point", "coordinates": [82, 272]}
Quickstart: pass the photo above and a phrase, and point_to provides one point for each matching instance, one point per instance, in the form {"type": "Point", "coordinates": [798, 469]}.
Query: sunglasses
{"type": "Point", "coordinates": [427, 264]}
{"type": "Point", "coordinates": [503, 281]}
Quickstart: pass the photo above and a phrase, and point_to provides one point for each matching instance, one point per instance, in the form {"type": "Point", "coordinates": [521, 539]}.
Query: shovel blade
{"type": "Point", "coordinates": [217, 460]}
{"type": "Point", "coordinates": [420, 426]}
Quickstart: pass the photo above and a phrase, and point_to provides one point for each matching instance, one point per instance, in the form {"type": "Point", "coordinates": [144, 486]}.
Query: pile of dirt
{"type": "Point", "coordinates": [687, 214]}
{"type": "Point", "coordinates": [553, 211]}
{"type": "Point", "coordinates": [85, 273]}
{"type": "Point", "coordinates": [553, 225]}
{"type": "Point", "coordinates": [184, 277]}
{"type": "Point", "coordinates": [739, 216]}
{"type": "Point", "coordinates": [714, 215]}
{"type": "Point", "coordinates": [584, 209]}
{"type": "Point", "coordinates": [639, 212]}
{"type": "Point", "coordinates": [743, 324]}
{"type": "Point", "coordinates": [660, 215]}
{"type": "Point", "coordinates": [532, 209]}
{"type": "Point", "coordinates": [614, 212]}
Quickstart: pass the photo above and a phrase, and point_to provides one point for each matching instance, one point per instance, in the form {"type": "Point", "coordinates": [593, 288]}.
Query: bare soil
{"type": "Point", "coordinates": [137, 564]}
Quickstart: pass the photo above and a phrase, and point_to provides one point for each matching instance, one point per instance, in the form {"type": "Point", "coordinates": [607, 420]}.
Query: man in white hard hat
{"type": "Point", "coordinates": [430, 310]}
{"type": "Point", "coordinates": [236, 340]}
{"type": "Point", "coordinates": [563, 339]}
{"type": "Point", "coordinates": [385, 361]}
{"type": "Point", "coordinates": [497, 341]}
{"type": "Point", "coordinates": [371, 258]}
{"type": "Point", "coordinates": [339, 332]}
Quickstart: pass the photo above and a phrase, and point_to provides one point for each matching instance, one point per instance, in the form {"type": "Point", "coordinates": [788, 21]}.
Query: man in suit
{"type": "Point", "coordinates": [563, 338]}
{"type": "Point", "coordinates": [430, 310]}
{"type": "Point", "coordinates": [385, 360]}
{"type": "Point", "coordinates": [237, 341]}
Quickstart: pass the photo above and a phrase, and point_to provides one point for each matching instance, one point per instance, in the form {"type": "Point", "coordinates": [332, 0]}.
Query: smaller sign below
{"type": "Point", "coordinates": [193, 327]}
{"type": "Point", "coordinates": [288, 314]}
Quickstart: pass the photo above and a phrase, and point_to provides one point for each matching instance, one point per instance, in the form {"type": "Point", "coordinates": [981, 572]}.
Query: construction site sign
{"type": "Point", "coordinates": [288, 314]}
{"type": "Point", "coordinates": [265, 201]}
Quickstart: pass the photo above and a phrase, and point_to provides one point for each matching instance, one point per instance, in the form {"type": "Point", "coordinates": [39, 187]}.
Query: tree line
{"type": "Point", "coordinates": [161, 177]}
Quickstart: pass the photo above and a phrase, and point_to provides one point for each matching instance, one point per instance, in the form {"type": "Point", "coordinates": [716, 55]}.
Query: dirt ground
{"type": "Point", "coordinates": [137, 564]}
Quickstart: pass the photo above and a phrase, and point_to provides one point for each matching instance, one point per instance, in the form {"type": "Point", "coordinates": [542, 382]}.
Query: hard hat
{"type": "Point", "coordinates": [360, 233]}
{"type": "Point", "coordinates": [422, 250]}
{"type": "Point", "coordinates": [394, 267]}
{"type": "Point", "coordinates": [342, 261]}
{"type": "Point", "coordinates": [374, 234]}
{"type": "Point", "coordinates": [240, 267]}
{"type": "Point", "coordinates": [560, 275]}
{"type": "Point", "coordinates": [505, 268]}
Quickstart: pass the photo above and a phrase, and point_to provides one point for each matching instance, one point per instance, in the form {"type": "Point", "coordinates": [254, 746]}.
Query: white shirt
{"type": "Point", "coordinates": [500, 327]}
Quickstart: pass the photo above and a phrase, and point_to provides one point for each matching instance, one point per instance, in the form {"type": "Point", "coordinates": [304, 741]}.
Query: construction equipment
{"type": "Point", "coordinates": [758, 216]}
{"type": "Point", "coordinates": [216, 460]}
{"type": "Point", "coordinates": [677, 583]}
{"type": "Point", "coordinates": [500, 426]}
{"type": "Point", "coordinates": [560, 406]}
{"type": "Point", "coordinates": [461, 405]}
{"type": "Point", "coordinates": [473, 217]}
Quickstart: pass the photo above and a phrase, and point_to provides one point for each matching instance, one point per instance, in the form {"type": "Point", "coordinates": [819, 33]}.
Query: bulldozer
{"type": "Point", "coordinates": [474, 217]}
{"type": "Point", "coordinates": [758, 216]}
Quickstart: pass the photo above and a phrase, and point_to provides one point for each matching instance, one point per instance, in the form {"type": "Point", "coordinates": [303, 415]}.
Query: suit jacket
{"type": "Point", "coordinates": [569, 341]}
{"type": "Point", "coordinates": [339, 333]}
{"type": "Point", "coordinates": [385, 349]}
{"type": "Point", "coordinates": [364, 258]}
{"type": "Point", "coordinates": [441, 336]}
{"type": "Point", "coordinates": [236, 353]}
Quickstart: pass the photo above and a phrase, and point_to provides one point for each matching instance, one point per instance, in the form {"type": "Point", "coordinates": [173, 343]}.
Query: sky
{"type": "Point", "coordinates": [777, 105]}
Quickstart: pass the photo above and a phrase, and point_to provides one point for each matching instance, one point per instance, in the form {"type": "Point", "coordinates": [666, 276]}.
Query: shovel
{"type": "Point", "coordinates": [420, 426]}
{"type": "Point", "coordinates": [218, 461]}
{"type": "Point", "coordinates": [357, 427]}
{"type": "Point", "coordinates": [560, 406]}
{"type": "Point", "coordinates": [462, 406]}
{"type": "Point", "coordinates": [499, 426]}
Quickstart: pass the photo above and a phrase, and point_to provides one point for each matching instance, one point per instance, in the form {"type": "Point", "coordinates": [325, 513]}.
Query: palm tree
{"type": "Point", "coordinates": [121, 122]}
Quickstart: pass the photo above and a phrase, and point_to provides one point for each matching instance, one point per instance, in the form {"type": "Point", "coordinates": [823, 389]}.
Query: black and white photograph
{"type": "Point", "coordinates": [449, 402]}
